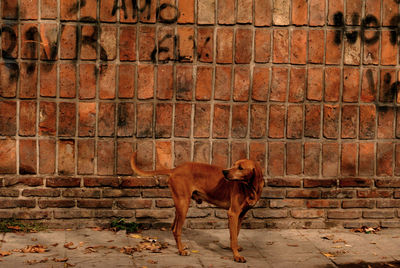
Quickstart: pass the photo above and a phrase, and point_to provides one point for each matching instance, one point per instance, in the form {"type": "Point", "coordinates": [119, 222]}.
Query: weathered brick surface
{"type": "Point", "coordinates": [308, 89]}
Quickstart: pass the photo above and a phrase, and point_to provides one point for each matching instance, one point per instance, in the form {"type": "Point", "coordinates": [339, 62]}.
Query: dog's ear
{"type": "Point", "coordinates": [257, 171]}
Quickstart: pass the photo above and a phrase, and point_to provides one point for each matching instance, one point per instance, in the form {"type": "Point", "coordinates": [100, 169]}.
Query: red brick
{"type": "Point", "coordinates": [147, 35]}
{"type": "Point", "coordinates": [239, 120]}
{"type": "Point", "coordinates": [44, 192]}
{"type": "Point", "coordinates": [204, 83]}
{"type": "Point", "coordinates": [276, 158]}
{"type": "Point", "coordinates": [8, 79]}
{"type": "Point", "coordinates": [389, 10]}
{"type": "Point", "coordinates": [297, 84]}
{"type": "Point", "coordinates": [294, 121]}
{"type": "Point", "coordinates": [100, 182]}
{"type": "Point", "coordinates": [9, 192]}
{"type": "Point", "coordinates": [121, 193]}
{"type": "Point", "coordinates": [47, 118]}
{"type": "Point", "coordinates": [388, 50]}
{"type": "Point", "coordinates": [127, 81]}
{"type": "Point", "coordinates": [395, 183]}
{"type": "Point", "coordinates": [331, 121]}
{"type": "Point", "coordinates": [27, 157]}
{"type": "Point", "coordinates": [8, 156]}
{"type": "Point", "coordinates": [126, 120]}
{"type": "Point", "coordinates": [66, 10]}
{"type": "Point", "coordinates": [201, 152]}
{"type": "Point", "coordinates": [351, 78]}
{"type": "Point", "coordinates": [87, 81]}
{"type": "Point", "coordinates": [8, 120]}
{"type": "Point", "coordinates": [144, 120]}
{"type": "Point", "coordinates": [226, 12]}
{"type": "Point", "coordinates": [238, 151]}
{"type": "Point", "coordinates": [257, 152]}
{"type": "Point", "coordinates": [166, 46]}
{"type": "Point", "coordinates": [205, 12]}
{"type": "Point", "coordinates": [107, 85]}
{"type": "Point", "coordinates": [281, 15]}
{"type": "Point", "coordinates": [335, 50]}
{"type": "Point", "coordinates": [262, 13]}
{"type": "Point", "coordinates": [294, 156]}
{"type": "Point", "coordinates": [88, 203]}
{"type": "Point", "coordinates": [276, 121]}
{"type": "Point", "coordinates": [205, 44]}
{"type": "Point", "coordinates": [184, 82]}
{"type": "Point", "coordinates": [243, 40]}
{"type": "Point", "coordinates": [296, 193]}
{"type": "Point", "coordinates": [221, 121]}
{"type": "Point", "coordinates": [298, 46]}
{"type": "Point", "coordinates": [124, 152]}
{"type": "Point", "coordinates": [384, 159]}
{"type": "Point", "coordinates": [338, 193]}
{"type": "Point", "coordinates": [279, 84]}
{"type": "Point", "coordinates": [366, 159]}
{"type": "Point", "coordinates": [241, 83]}
{"type": "Point", "coordinates": [183, 114]}
{"type": "Point", "coordinates": [49, 36]}
{"type": "Point", "coordinates": [353, 7]}
{"type": "Point", "coordinates": [186, 11]}
{"type": "Point", "coordinates": [284, 182]}
{"type": "Point", "coordinates": [349, 121]}
{"type": "Point", "coordinates": [312, 153]}
{"type": "Point", "coordinates": [66, 157]}
{"type": "Point", "coordinates": [163, 154]}
{"type": "Point", "coordinates": [48, 9]}
{"type": "Point", "coordinates": [223, 77]}
{"type": "Point", "coordinates": [299, 12]}
{"type": "Point", "coordinates": [67, 119]}
{"type": "Point", "coordinates": [63, 182]}
{"type": "Point", "coordinates": [315, 84]}
{"type": "Point", "coordinates": [29, 40]}
{"type": "Point", "coordinates": [352, 52]}
{"type": "Point", "coordinates": [312, 125]}
{"type": "Point", "coordinates": [27, 118]}
{"type": "Point", "coordinates": [349, 159]}
{"type": "Point", "coordinates": [287, 203]}
{"type": "Point", "coordinates": [88, 50]}
{"type": "Point", "coordinates": [182, 151]}
{"type": "Point", "coordinates": [68, 46]}
{"type": "Point", "coordinates": [48, 76]}
{"type": "Point", "coordinates": [371, 50]}
{"type": "Point", "coordinates": [202, 121]}
{"type": "Point", "coordinates": [309, 183]}
{"type": "Point", "coordinates": [260, 83]}
{"type": "Point", "coordinates": [105, 157]}
{"type": "Point", "coordinates": [397, 160]}
{"type": "Point", "coordinates": [108, 41]}
{"type": "Point", "coordinates": [138, 203]}
{"type": "Point", "coordinates": [262, 45]}
{"type": "Point", "coordinates": [367, 121]}
{"type": "Point", "coordinates": [386, 93]}
{"type": "Point", "coordinates": [89, 9]}
{"type": "Point", "coordinates": [373, 7]}
{"type": "Point", "coordinates": [86, 149]}
{"type": "Point", "coordinates": [374, 194]}
{"type": "Point", "coordinates": [358, 203]}
{"type": "Point", "coordinates": [87, 119]}
{"type": "Point", "coordinates": [224, 45]}
{"type": "Point", "coordinates": [186, 44]}
{"type": "Point", "coordinates": [385, 123]}
{"type": "Point", "coordinates": [47, 156]}
{"type": "Point", "coordinates": [163, 120]}
{"type": "Point", "coordinates": [164, 203]}
{"type": "Point", "coordinates": [369, 85]}
{"type": "Point", "coordinates": [378, 214]}
{"type": "Point", "coordinates": [127, 43]}
{"type": "Point", "coordinates": [10, 9]}
{"type": "Point", "coordinates": [316, 46]}
{"type": "Point", "coordinates": [323, 204]}
{"type": "Point", "coordinates": [332, 84]}
{"type": "Point", "coordinates": [145, 82]}
{"type": "Point", "coordinates": [28, 80]}
{"type": "Point", "coordinates": [10, 203]}
{"type": "Point", "coordinates": [132, 182]}
{"type": "Point", "coordinates": [330, 159]}
{"type": "Point", "coordinates": [244, 11]}
{"type": "Point", "coordinates": [165, 82]}
{"type": "Point", "coordinates": [317, 13]}
{"type": "Point", "coordinates": [307, 214]}
{"type": "Point", "coordinates": [106, 120]}
{"type": "Point", "coordinates": [258, 120]}
{"type": "Point", "coordinates": [56, 203]}
{"type": "Point", "coordinates": [281, 46]}
{"type": "Point", "coordinates": [67, 80]}
{"type": "Point", "coordinates": [343, 214]}
{"type": "Point", "coordinates": [333, 8]}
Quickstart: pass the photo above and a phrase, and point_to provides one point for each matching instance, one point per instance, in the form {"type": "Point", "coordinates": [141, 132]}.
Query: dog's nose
{"type": "Point", "coordinates": [225, 172]}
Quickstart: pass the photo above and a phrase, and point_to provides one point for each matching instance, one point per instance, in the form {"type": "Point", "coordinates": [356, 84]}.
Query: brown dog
{"type": "Point", "coordinates": [237, 189]}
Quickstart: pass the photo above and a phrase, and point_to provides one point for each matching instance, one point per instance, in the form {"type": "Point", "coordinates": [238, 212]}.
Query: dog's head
{"type": "Point", "coordinates": [243, 170]}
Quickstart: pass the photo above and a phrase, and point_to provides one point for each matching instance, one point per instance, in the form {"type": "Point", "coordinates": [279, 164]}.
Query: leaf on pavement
{"type": "Point", "coordinates": [69, 245]}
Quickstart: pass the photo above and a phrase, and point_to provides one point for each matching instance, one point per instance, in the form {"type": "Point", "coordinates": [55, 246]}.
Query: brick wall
{"type": "Point", "coordinates": [307, 88]}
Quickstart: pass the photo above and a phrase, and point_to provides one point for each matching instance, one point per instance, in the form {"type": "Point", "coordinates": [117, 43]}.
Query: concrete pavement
{"type": "Point", "coordinates": [209, 248]}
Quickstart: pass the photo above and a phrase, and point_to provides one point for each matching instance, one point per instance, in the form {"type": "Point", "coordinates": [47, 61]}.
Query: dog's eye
{"type": "Point", "coordinates": [240, 168]}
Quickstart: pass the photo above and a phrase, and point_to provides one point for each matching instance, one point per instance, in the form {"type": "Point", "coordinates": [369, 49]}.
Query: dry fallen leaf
{"type": "Point", "coordinates": [60, 260]}
{"type": "Point", "coordinates": [69, 245]}
{"type": "Point", "coordinates": [328, 237]}
{"type": "Point", "coordinates": [109, 241]}
{"type": "Point", "coordinates": [97, 229]}
{"type": "Point", "coordinates": [54, 245]}
{"type": "Point", "coordinates": [152, 262]}
{"type": "Point", "coordinates": [69, 265]}
{"type": "Point", "coordinates": [32, 249]}
{"type": "Point", "coordinates": [292, 245]}
{"type": "Point", "coordinates": [135, 236]}
{"type": "Point", "coordinates": [329, 255]}
{"type": "Point", "coordinates": [31, 262]}
{"type": "Point", "coordinates": [5, 253]}
{"type": "Point", "coordinates": [195, 251]}
{"type": "Point", "coordinates": [339, 241]}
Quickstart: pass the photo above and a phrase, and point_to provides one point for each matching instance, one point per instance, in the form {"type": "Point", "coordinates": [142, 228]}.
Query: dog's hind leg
{"type": "Point", "coordinates": [181, 209]}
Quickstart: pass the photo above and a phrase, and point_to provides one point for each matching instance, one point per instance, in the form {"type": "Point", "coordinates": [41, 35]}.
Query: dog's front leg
{"type": "Point", "coordinates": [233, 231]}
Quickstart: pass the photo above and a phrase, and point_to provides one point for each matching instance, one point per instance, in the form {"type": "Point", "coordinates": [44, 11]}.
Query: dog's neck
{"type": "Point", "coordinates": [255, 186]}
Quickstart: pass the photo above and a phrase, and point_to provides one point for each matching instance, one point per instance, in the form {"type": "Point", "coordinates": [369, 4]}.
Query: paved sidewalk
{"type": "Point", "coordinates": [209, 248]}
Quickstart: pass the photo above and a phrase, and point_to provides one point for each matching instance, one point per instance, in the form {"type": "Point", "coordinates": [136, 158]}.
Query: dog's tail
{"type": "Point", "coordinates": [141, 172]}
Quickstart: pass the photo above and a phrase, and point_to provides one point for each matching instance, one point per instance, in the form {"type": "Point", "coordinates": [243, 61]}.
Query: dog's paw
{"type": "Point", "coordinates": [184, 253]}
{"type": "Point", "coordinates": [239, 259]}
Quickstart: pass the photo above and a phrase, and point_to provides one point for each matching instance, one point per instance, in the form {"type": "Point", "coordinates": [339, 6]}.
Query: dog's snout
{"type": "Point", "coordinates": [225, 172]}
